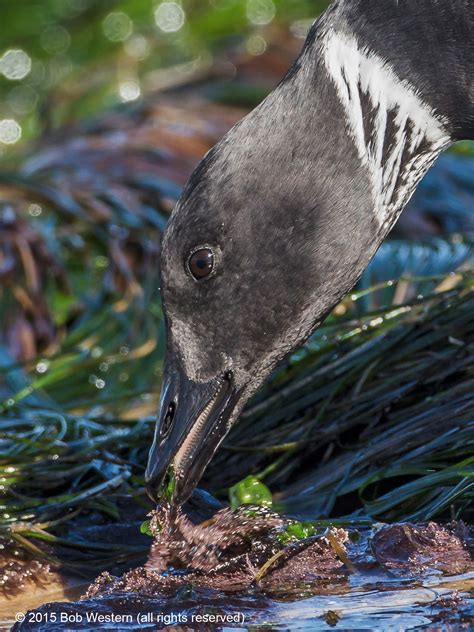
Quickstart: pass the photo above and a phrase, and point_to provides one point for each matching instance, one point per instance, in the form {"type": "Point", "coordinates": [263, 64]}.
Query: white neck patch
{"type": "Point", "coordinates": [396, 134]}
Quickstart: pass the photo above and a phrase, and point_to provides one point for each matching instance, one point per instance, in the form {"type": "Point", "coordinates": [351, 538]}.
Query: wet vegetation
{"type": "Point", "coordinates": [371, 421]}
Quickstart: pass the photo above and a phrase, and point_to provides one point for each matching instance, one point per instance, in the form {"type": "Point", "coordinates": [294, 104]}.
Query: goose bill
{"type": "Point", "coordinates": [193, 419]}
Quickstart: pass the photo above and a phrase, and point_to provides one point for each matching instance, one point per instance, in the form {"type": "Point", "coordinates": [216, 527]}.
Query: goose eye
{"type": "Point", "coordinates": [201, 263]}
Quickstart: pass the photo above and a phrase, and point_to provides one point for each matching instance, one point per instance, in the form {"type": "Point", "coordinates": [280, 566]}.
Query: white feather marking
{"type": "Point", "coordinates": [405, 135]}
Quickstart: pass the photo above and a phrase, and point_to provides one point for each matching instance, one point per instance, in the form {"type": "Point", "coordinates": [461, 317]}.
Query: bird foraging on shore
{"type": "Point", "coordinates": [281, 217]}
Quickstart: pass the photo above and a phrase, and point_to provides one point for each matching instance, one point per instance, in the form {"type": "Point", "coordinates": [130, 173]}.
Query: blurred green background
{"type": "Point", "coordinates": [65, 59]}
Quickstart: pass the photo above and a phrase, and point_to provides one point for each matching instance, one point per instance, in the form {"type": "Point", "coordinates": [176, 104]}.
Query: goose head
{"type": "Point", "coordinates": [275, 226]}
{"type": "Point", "coordinates": [259, 248]}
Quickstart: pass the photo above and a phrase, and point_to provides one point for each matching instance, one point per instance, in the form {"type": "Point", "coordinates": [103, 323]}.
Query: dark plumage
{"type": "Point", "coordinates": [293, 203]}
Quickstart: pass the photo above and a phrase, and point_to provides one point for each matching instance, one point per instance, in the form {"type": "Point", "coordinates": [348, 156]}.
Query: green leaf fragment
{"type": "Point", "coordinates": [250, 491]}
{"type": "Point", "coordinates": [145, 528]}
{"type": "Point", "coordinates": [297, 531]}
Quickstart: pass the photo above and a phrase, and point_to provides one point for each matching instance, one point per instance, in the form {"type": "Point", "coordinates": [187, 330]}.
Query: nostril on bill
{"type": "Point", "coordinates": [168, 420]}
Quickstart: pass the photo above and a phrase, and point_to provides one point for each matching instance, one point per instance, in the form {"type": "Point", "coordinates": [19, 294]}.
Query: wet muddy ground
{"type": "Point", "coordinates": [257, 547]}
{"type": "Point", "coordinates": [252, 567]}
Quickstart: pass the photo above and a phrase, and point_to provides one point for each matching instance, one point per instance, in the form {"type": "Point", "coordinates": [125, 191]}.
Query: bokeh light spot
{"type": "Point", "coordinates": [137, 46]}
{"type": "Point", "coordinates": [260, 12]}
{"type": "Point", "coordinates": [35, 210]}
{"type": "Point", "coordinates": [59, 68]}
{"type": "Point", "coordinates": [55, 39]}
{"type": "Point", "coordinates": [129, 90]}
{"type": "Point", "coordinates": [256, 45]}
{"type": "Point", "coordinates": [10, 131]}
{"type": "Point", "coordinates": [117, 26]}
{"type": "Point", "coordinates": [22, 99]}
{"type": "Point", "coordinates": [15, 64]}
{"type": "Point", "coordinates": [300, 28]}
{"type": "Point", "coordinates": [42, 366]}
{"type": "Point", "coordinates": [169, 17]}
{"type": "Point", "coordinates": [76, 7]}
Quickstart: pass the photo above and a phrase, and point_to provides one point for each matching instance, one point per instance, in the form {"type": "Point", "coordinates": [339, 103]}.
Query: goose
{"type": "Point", "coordinates": [279, 220]}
